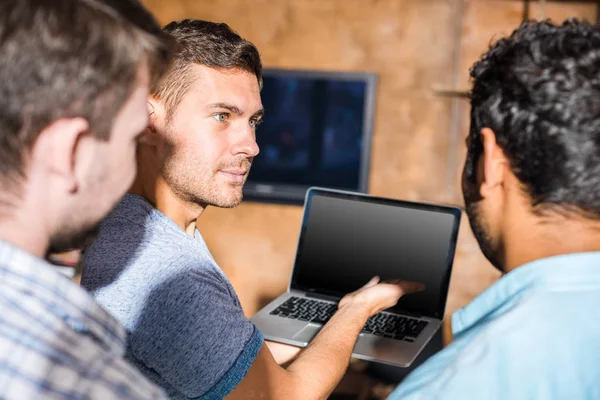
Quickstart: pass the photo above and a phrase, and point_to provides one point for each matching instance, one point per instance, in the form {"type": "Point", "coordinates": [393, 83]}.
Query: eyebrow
{"type": "Point", "coordinates": [236, 110]}
{"type": "Point", "coordinates": [260, 113]}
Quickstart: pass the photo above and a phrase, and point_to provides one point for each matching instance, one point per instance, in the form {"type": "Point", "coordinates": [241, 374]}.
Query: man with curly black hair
{"type": "Point", "coordinates": [531, 184]}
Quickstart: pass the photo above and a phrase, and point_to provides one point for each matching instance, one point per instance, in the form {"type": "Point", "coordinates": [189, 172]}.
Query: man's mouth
{"type": "Point", "coordinates": [236, 175]}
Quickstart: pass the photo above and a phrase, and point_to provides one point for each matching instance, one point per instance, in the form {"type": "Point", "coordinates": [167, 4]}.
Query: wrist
{"type": "Point", "coordinates": [356, 307]}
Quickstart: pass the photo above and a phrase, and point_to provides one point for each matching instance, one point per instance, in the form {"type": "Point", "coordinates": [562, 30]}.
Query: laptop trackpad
{"type": "Point", "coordinates": [307, 333]}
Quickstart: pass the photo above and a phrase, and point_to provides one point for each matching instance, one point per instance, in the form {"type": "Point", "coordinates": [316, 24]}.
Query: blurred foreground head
{"type": "Point", "coordinates": [74, 80]}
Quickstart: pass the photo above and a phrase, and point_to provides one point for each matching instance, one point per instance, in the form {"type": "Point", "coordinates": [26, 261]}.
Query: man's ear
{"type": "Point", "coordinates": [494, 163]}
{"type": "Point", "coordinates": [55, 149]}
{"type": "Point", "coordinates": [150, 136]}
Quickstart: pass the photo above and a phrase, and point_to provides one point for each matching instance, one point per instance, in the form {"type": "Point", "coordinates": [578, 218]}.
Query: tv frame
{"type": "Point", "coordinates": [294, 194]}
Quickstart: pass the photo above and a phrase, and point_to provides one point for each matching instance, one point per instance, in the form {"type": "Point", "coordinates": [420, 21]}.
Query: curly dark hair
{"type": "Point", "coordinates": [539, 91]}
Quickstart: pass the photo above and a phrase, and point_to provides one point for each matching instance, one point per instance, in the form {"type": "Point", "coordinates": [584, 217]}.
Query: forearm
{"type": "Point", "coordinates": [320, 367]}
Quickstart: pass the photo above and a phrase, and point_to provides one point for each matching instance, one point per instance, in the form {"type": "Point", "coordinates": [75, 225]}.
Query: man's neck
{"type": "Point", "coordinates": [162, 197]}
{"type": "Point", "coordinates": [29, 236]}
{"type": "Point", "coordinates": [550, 237]}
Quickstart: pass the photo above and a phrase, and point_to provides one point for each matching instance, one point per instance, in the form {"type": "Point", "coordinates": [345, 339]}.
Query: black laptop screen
{"type": "Point", "coordinates": [348, 239]}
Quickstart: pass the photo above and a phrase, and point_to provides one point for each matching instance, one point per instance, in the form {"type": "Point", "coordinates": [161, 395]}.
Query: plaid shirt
{"type": "Point", "coordinates": [55, 341]}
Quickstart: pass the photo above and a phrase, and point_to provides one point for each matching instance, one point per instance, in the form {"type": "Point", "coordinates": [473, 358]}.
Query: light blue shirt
{"type": "Point", "coordinates": [534, 334]}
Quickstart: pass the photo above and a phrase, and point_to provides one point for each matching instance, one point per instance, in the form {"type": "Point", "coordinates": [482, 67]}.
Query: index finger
{"type": "Point", "coordinates": [407, 286]}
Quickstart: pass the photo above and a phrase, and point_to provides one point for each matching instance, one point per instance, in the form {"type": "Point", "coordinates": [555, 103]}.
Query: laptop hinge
{"type": "Point", "coordinates": [323, 296]}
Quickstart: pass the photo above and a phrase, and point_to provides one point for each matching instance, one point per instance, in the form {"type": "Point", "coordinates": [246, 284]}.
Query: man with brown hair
{"type": "Point", "coordinates": [74, 80]}
{"type": "Point", "coordinates": [187, 329]}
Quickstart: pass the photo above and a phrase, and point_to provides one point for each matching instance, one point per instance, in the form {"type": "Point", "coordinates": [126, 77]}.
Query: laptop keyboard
{"type": "Point", "coordinates": [382, 324]}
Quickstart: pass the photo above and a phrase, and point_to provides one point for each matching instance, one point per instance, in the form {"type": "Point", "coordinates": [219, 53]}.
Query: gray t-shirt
{"type": "Point", "coordinates": [187, 331]}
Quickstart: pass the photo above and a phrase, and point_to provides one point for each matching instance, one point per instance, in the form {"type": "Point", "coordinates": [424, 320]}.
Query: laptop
{"type": "Point", "coordinates": [346, 238]}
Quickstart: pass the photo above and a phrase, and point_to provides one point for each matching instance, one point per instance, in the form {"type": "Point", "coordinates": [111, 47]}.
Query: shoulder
{"type": "Point", "coordinates": [186, 295]}
{"type": "Point", "coordinates": [58, 362]}
{"type": "Point", "coordinates": [531, 333]}
{"type": "Point", "coordinates": [518, 354]}
{"type": "Point", "coordinates": [146, 256]}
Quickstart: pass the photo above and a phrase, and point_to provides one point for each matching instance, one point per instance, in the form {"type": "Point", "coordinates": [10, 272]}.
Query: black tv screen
{"type": "Point", "coordinates": [316, 132]}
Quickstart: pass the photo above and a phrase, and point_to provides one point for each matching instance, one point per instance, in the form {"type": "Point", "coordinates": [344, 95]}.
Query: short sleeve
{"type": "Point", "coordinates": [194, 334]}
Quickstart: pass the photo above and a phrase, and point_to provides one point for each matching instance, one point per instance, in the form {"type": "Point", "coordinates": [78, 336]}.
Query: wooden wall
{"type": "Point", "coordinates": [414, 46]}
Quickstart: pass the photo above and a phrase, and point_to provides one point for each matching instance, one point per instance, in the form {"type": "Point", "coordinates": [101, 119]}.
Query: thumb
{"type": "Point", "coordinates": [374, 281]}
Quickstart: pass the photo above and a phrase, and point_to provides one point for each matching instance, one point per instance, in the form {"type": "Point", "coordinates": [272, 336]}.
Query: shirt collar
{"type": "Point", "coordinates": [567, 272]}
{"type": "Point", "coordinates": [38, 279]}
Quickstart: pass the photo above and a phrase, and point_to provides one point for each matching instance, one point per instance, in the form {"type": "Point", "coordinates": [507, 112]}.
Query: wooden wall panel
{"type": "Point", "coordinates": [416, 153]}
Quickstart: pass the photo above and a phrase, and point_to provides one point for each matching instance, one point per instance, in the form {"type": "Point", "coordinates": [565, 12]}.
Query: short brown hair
{"type": "Point", "coordinates": [206, 43]}
{"type": "Point", "coordinates": [69, 58]}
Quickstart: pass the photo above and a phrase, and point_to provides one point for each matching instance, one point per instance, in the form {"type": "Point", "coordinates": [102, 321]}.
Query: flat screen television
{"type": "Point", "coordinates": [316, 132]}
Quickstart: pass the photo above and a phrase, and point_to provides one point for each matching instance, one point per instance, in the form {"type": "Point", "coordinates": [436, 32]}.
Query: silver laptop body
{"type": "Point", "coordinates": [345, 239]}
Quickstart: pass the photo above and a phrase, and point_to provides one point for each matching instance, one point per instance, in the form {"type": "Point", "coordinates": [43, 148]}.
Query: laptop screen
{"type": "Point", "coordinates": [346, 239]}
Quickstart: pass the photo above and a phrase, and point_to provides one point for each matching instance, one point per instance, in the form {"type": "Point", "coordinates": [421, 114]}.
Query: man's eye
{"type": "Point", "coordinates": [221, 117]}
{"type": "Point", "coordinates": [255, 122]}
